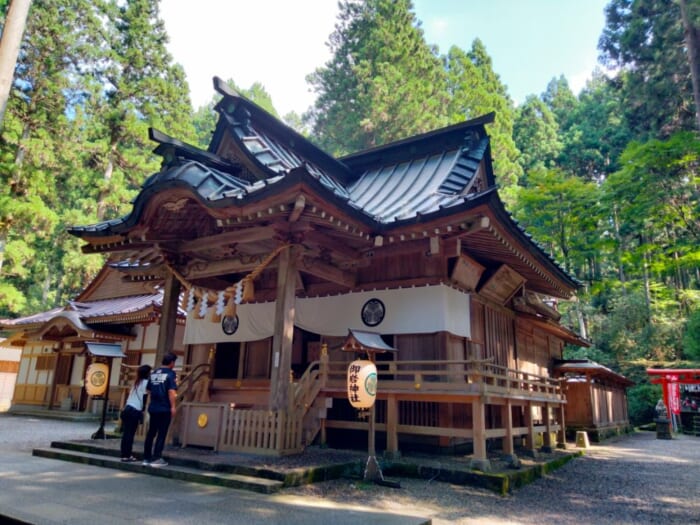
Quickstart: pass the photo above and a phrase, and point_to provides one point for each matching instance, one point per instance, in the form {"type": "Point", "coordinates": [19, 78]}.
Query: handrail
{"type": "Point", "coordinates": [430, 374]}
{"type": "Point", "coordinates": [305, 390]}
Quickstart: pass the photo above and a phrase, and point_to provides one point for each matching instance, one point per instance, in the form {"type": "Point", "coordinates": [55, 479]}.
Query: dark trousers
{"type": "Point", "coordinates": [130, 422]}
{"type": "Point", "coordinates": [158, 430]}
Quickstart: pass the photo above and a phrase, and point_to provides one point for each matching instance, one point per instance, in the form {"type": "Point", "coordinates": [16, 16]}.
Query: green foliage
{"type": "Point", "coordinates": [536, 134]}
{"type": "Point", "coordinates": [90, 79]}
{"type": "Point", "coordinates": [596, 134]}
{"type": "Point", "coordinates": [563, 213]}
{"type": "Point", "coordinates": [474, 90]}
{"type": "Point", "coordinates": [641, 403]}
{"type": "Point", "coordinates": [383, 82]}
{"type": "Point", "coordinates": [691, 337]}
{"type": "Point", "coordinates": [644, 39]}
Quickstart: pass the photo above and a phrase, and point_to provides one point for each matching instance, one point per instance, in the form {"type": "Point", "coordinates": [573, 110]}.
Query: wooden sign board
{"type": "Point", "coordinates": [467, 272]}
{"type": "Point", "coordinates": [502, 285]}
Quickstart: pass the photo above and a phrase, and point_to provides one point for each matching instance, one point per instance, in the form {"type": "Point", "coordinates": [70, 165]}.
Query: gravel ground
{"type": "Point", "coordinates": [636, 479]}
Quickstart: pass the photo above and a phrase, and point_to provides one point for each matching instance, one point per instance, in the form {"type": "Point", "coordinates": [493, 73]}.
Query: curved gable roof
{"type": "Point", "coordinates": [416, 180]}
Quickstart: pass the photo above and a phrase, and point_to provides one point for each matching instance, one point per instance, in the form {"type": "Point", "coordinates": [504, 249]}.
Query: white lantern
{"type": "Point", "coordinates": [362, 383]}
{"type": "Point", "coordinates": [96, 379]}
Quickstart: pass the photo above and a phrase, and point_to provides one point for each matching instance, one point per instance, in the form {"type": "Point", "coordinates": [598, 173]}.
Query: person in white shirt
{"type": "Point", "coordinates": [132, 414]}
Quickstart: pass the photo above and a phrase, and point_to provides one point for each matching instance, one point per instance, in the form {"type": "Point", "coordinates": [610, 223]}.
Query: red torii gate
{"type": "Point", "coordinates": [670, 379]}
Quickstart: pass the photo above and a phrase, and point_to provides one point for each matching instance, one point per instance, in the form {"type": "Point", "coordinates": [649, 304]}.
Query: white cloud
{"type": "Point", "coordinates": [274, 42]}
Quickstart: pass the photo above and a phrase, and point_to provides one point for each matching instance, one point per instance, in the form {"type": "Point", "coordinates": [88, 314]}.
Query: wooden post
{"type": "Point", "coordinates": [392, 421]}
{"type": "Point", "coordinates": [168, 318]}
{"type": "Point", "coordinates": [529, 422]}
{"type": "Point", "coordinates": [561, 436]}
{"type": "Point", "coordinates": [371, 446]}
{"type": "Point", "coordinates": [547, 439]}
{"type": "Point", "coordinates": [507, 417]}
{"type": "Point", "coordinates": [479, 460]}
{"type": "Point", "coordinates": [323, 365]}
{"type": "Point", "coordinates": [52, 387]}
{"type": "Point", "coordinates": [284, 330]}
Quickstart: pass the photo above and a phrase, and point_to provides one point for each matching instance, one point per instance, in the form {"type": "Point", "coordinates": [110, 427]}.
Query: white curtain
{"type": "Point", "coordinates": [424, 309]}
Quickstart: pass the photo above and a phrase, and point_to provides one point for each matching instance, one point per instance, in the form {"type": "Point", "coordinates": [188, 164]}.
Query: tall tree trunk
{"type": "Point", "coordinates": [101, 204]}
{"type": "Point", "coordinates": [647, 285]}
{"type": "Point", "coordinates": [9, 48]}
{"type": "Point", "coordinates": [582, 327]}
{"type": "Point", "coordinates": [692, 41]}
{"type": "Point", "coordinates": [620, 268]}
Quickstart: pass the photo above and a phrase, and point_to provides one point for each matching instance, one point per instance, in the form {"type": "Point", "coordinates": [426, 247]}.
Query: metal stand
{"type": "Point", "coordinates": [100, 432]}
{"type": "Point", "coordinates": [372, 470]}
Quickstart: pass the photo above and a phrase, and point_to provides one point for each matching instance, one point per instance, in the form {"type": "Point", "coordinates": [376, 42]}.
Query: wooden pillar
{"type": "Point", "coordinates": [507, 418]}
{"type": "Point", "coordinates": [529, 422]}
{"type": "Point", "coordinates": [561, 436]}
{"type": "Point", "coordinates": [479, 460]}
{"type": "Point", "coordinates": [284, 330]}
{"type": "Point", "coordinates": [52, 387]}
{"type": "Point", "coordinates": [392, 423]}
{"type": "Point", "coordinates": [168, 318]}
{"type": "Point", "coordinates": [547, 438]}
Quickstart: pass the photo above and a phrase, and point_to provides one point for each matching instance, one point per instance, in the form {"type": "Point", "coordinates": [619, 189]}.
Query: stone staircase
{"type": "Point", "coordinates": [231, 476]}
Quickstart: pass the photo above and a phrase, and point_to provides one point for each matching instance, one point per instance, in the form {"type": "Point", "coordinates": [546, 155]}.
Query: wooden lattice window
{"type": "Point", "coordinates": [45, 362]}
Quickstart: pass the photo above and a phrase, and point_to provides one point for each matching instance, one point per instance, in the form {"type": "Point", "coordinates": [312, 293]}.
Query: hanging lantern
{"type": "Point", "coordinates": [96, 379]}
{"type": "Point", "coordinates": [362, 383]}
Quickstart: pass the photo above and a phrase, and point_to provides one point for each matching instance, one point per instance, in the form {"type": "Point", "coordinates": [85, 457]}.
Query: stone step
{"type": "Point", "coordinates": [95, 447]}
{"type": "Point", "coordinates": [183, 473]}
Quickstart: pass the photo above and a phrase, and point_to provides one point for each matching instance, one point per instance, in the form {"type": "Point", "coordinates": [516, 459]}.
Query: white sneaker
{"type": "Point", "coordinates": [145, 463]}
{"type": "Point", "coordinates": [160, 462]}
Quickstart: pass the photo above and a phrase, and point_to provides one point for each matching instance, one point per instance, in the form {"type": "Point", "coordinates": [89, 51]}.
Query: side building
{"type": "Point", "coordinates": [114, 312]}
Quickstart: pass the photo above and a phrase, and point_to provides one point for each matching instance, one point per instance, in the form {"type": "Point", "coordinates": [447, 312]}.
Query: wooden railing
{"type": "Point", "coordinates": [280, 432]}
{"type": "Point", "coordinates": [455, 377]}
{"type": "Point", "coordinates": [260, 432]}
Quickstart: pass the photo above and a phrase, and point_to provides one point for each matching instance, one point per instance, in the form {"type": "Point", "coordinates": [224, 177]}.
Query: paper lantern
{"type": "Point", "coordinates": [96, 379]}
{"type": "Point", "coordinates": [362, 383]}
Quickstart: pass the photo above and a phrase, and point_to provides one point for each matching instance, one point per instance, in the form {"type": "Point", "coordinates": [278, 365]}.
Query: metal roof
{"type": "Point", "coordinates": [105, 350]}
{"type": "Point", "coordinates": [422, 178]}
{"type": "Point", "coordinates": [360, 340]}
{"type": "Point", "coordinates": [591, 368]}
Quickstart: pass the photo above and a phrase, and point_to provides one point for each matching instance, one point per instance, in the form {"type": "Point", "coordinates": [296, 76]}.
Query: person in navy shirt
{"type": "Point", "coordinates": [162, 387]}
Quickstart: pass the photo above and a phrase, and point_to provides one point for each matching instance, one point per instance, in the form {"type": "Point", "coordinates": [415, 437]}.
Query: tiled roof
{"type": "Point", "coordinates": [119, 306]}
{"type": "Point", "coordinates": [38, 318]}
{"type": "Point", "coordinates": [90, 311]}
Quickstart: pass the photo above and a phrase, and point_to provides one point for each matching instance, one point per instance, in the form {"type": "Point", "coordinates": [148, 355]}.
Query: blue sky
{"type": "Point", "coordinates": [279, 42]}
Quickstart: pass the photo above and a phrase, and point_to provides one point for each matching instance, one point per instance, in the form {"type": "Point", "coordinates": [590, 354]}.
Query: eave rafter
{"type": "Point", "coordinates": [328, 272]}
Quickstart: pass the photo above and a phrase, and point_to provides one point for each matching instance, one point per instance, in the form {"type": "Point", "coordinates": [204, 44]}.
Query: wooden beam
{"type": "Point", "coordinates": [198, 269]}
{"type": "Point", "coordinates": [399, 248]}
{"type": "Point", "coordinates": [328, 272]}
{"type": "Point", "coordinates": [478, 225]}
{"type": "Point", "coordinates": [237, 236]}
{"type": "Point", "coordinates": [334, 245]}
{"type": "Point", "coordinates": [299, 206]}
